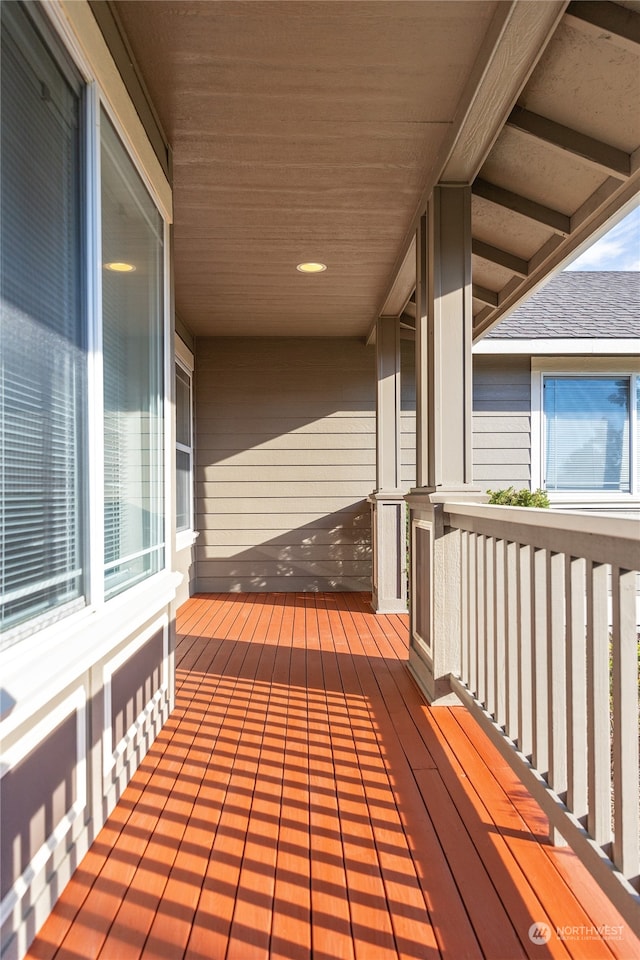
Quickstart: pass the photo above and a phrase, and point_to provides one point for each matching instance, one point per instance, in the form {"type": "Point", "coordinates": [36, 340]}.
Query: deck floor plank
{"type": "Point", "coordinates": [303, 803]}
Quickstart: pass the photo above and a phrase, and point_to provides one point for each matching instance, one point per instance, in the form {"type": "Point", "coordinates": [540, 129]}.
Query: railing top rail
{"type": "Point", "coordinates": [603, 539]}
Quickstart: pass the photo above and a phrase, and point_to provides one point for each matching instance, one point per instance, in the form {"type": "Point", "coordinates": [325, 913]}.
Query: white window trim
{"type": "Point", "coordinates": [185, 359]}
{"type": "Point", "coordinates": [571, 367]}
{"type": "Point", "coordinates": [563, 346]}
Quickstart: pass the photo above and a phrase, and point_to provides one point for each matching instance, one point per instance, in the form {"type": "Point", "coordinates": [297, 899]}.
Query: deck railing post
{"type": "Point", "coordinates": [444, 459]}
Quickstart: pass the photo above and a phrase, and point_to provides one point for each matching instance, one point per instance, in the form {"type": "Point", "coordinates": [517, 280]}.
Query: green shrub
{"type": "Point", "coordinates": [519, 498]}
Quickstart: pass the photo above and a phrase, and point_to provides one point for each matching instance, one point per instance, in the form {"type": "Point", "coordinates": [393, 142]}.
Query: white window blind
{"type": "Point", "coordinates": [43, 357]}
{"type": "Point", "coordinates": [132, 312]}
{"type": "Point", "coordinates": [587, 433]}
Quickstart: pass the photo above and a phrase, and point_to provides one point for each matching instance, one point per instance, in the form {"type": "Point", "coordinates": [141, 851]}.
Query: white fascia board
{"type": "Point", "coordinates": [544, 346]}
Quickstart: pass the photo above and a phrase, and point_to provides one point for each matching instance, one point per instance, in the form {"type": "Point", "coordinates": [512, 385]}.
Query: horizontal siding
{"type": "Point", "coordinates": [274, 490]}
{"type": "Point", "coordinates": [261, 565]}
{"type": "Point", "coordinates": [295, 539]}
{"type": "Point", "coordinates": [249, 423]}
{"type": "Point", "coordinates": [328, 516]}
{"type": "Point", "coordinates": [312, 582]}
{"type": "Point", "coordinates": [285, 460]}
{"type": "Point", "coordinates": [501, 422]}
{"type": "Point", "coordinates": [273, 474]}
{"type": "Point", "coordinates": [224, 444]}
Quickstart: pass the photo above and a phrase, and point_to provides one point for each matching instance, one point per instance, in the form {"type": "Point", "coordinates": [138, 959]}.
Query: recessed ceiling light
{"type": "Point", "coordinates": [311, 267]}
{"type": "Point", "coordinates": [120, 267]}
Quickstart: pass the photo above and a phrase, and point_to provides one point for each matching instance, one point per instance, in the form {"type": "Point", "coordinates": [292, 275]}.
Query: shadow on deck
{"type": "Point", "coordinates": [303, 802]}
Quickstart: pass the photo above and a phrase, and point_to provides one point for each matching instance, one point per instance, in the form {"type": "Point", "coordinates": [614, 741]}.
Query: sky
{"type": "Point", "coordinates": [619, 249]}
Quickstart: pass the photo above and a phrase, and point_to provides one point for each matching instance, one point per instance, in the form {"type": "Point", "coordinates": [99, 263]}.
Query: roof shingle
{"type": "Point", "coordinates": [580, 304]}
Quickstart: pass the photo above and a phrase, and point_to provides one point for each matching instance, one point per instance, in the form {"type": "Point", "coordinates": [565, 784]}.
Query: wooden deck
{"type": "Point", "coordinates": [303, 802]}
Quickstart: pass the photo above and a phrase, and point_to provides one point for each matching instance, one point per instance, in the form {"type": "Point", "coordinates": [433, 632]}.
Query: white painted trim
{"type": "Point", "coordinates": [60, 655]}
{"type": "Point", "coordinates": [75, 702]}
{"type": "Point", "coordinates": [621, 346]}
{"type": "Point", "coordinates": [185, 359]}
{"type": "Point", "coordinates": [587, 366]}
{"type": "Point", "coordinates": [168, 407]}
{"type": "Point", "coordinates": [95, 383]}
{"type": "Point", "coordinates": [537, 431]}
{"type": "Point", "coordinates": [110, 755]}
{"type": "Point", "coordinates": [185, 539]}
{"type": "Point", "coordinates": [634, 427]}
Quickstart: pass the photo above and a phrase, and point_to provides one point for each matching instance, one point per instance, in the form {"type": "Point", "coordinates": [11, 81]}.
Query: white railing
{"type": "Point", "coordinates": [549, 665]}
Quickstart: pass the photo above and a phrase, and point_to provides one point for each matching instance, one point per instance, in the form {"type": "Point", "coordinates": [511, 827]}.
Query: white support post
{"type": "Point", "coordinates": [389, 588]}
{"type": "Point", "coordinates": [443, 443]}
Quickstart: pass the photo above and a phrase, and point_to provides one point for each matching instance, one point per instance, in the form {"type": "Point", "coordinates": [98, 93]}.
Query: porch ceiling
{"type": "Point", "coordinates": [315, 131]}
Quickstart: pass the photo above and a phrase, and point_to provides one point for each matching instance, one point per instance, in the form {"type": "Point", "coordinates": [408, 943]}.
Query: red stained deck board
{"type": "Point", "coordinates": [302, 803]}
{"type": "Point", "coordinates": [577, 902]}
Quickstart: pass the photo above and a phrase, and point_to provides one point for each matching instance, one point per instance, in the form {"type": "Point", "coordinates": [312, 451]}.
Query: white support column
{"type": "Point", "coordinates": [443, 443]}
{"type": "Point", "coordinates": [389, 591]}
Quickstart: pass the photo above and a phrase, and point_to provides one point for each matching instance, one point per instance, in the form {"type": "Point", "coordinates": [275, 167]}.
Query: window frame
{"type": "Point", "coordinates": [184, 359]}
{"type": "Point", "coordinates": [584, 367]}
{"type": "Point", "coordinates": [48, 643]}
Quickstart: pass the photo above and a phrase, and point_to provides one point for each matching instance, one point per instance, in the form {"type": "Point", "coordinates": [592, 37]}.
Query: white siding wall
{"type": "Point", "coordinates": [285, 458]}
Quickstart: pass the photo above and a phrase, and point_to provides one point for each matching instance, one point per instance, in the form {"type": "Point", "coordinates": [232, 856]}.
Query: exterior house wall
{"type": "Point", "coordinates": [82, 699]}
{"type": "Point", "coordinates": [185, 565]}
{"type": "Point", "coordinates": [501, 420]}
{"type": "Point", "coordinates": [285, 459]}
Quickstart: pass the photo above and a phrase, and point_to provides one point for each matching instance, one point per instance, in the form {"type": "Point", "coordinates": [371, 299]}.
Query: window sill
{"type": "Point", "coordinates": [185, 539]}
{"type": "Point", "coordinates": [38, 668]}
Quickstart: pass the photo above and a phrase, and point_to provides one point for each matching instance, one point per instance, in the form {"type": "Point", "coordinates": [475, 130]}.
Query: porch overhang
{"type": "Point", "coordinates": [318, 131]}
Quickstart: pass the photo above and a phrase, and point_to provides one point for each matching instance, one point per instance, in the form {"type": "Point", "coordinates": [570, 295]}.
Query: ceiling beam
{"type": "Point", "coordinates": [615, 162]}
{"type": "Point", "coordinates": [403, 285]}
{"type": "Point", "coordinates": [502, 257]}
{"type": "Point", "coordinates": [592, 221]}
{"type": "Point", "coordinates": [607, 20]}
{"type": "Point", "coordinates": [559, 222]}
{"type": "Point", "coordinates": [513, 45]}
{"type": "Point", "coordinates": [484, 295]}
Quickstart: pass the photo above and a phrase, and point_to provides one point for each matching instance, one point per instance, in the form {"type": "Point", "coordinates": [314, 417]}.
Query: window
{"type": "Point", "coordinates": [184, 451]}
{"type": "Point", "coordinates": [588, 442]}
{"type": "Point", "coordinates": [132, 371]}
{"type": "Point", "coordinates": [43, 346]}
{"type": "Point", "coordinates": [78, 373]}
